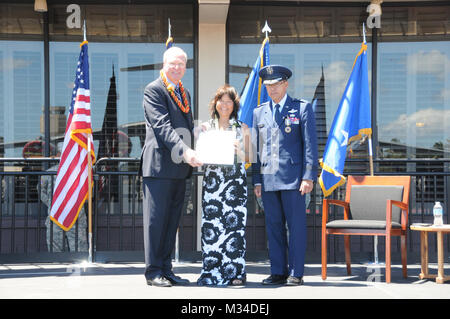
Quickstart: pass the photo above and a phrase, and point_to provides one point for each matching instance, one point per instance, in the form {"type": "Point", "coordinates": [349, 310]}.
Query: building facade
{"type": "Point", "coordinates": [409, 75]}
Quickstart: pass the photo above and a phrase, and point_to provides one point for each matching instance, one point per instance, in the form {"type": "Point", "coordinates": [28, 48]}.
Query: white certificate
{"type": "Point", "coordinates": [216, 147]}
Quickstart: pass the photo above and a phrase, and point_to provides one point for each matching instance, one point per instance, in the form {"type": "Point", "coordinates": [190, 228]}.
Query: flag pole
{"type": "Point", "coordinates": [375, 240]}
{"type": "Point", "coordinates": [90, 197]}
{"type": "Point", "coordinates": [370, 135]}
{"type": "Point", "coordinates": [84, 30]}
{"type": "Point", "coordinates": [370, 155]}
{"type": "Point", "coordinates": [170, 29]}
{"type": "Point", "coordinates": [89, 178]}
{"type": "Point", "coordinates": [266, 29]}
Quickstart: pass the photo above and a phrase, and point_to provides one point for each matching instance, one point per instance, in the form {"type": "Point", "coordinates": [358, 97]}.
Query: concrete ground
{"type": "Point", "coordinates": [126, 281]}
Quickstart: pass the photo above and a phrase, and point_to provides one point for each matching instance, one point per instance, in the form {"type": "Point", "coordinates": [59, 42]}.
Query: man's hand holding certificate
{"type": "Point", "coordinates": [216, 147]}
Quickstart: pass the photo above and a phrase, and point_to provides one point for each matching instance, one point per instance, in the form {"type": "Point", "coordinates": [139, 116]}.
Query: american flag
{"type": "Point", "coordinates": [71, 186]}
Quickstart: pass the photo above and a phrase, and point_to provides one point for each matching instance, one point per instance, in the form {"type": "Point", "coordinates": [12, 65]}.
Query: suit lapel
{"type": "Point", "coordinates": [268, 116]}
{"type": "Point", "coordinates": [188, 116]}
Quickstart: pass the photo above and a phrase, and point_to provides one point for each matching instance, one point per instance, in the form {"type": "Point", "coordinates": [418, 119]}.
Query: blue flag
{"type": "Point", "coordinates": [169, 42]}
{"type": "Point", "coordinates": [352, 119]}
{"type": "Point", "coordinates": [254, 92]}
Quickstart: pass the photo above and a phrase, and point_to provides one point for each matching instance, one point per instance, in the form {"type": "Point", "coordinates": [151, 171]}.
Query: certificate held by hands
{"type": "Point", "coordinates": [216, 147]}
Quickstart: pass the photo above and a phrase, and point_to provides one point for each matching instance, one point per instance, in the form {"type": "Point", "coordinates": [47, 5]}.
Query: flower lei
{"type": "Point", "coordinates": [171, 89]}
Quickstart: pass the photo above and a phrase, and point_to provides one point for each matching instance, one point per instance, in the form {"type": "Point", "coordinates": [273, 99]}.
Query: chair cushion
{"type": "Point", "coordinates": [368, 202]}
{"type": "Point", "coordinates": [360, 224]}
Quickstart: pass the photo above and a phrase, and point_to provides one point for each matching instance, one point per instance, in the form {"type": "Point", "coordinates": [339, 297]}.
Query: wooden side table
{"type": "Point", "coordinates": [439, 230]}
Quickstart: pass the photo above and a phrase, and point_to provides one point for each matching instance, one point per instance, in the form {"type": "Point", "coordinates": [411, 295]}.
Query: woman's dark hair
{"type": "Point", "coordinates": [225, 90]}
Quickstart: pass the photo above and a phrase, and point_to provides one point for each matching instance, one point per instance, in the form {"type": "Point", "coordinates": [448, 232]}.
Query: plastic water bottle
{"type": "Point", "coordinates": [437, 213]}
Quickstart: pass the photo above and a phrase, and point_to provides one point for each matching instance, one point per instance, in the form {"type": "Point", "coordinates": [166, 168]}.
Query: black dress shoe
{"type": "Point", "coordinates": [275, 280]}
{"type": "Point", "coordinates": [294, 281]}
{"type": "Point", "coordinates": [176, 280]}
{"type": "Point", "coordinates": [159, 281]}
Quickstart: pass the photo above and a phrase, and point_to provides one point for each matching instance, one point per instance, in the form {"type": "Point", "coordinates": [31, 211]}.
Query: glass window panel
{"type": "Point", "coordinates": [307, 39]}
{"type": "Point", "coordinates": [21, 84]}
{"type": "Point", "coordinates": [130, 85]}
{"type": "Point", "coordinates": [132, 40]}
{"type": "Point", "coordinates": [2, 103]}
{"type": "Point", "coordinates": [22, 98]}
{"type": "Point", "coordinates": [306, 62]}
{"type": "Point", "coordinates": [413, 104]}
{"type": "Point", "coordinates": [413, 99]}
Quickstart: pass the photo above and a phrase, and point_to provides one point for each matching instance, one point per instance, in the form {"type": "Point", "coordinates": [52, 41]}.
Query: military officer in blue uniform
{"type": "Point", "coordinates": [285, 171]}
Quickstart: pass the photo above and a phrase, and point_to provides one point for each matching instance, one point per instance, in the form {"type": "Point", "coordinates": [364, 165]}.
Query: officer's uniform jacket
{"type": "Point", "coordinates": [287, 154]}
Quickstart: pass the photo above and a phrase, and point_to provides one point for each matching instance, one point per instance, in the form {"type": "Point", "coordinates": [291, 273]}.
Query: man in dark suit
{"type": "Point", "coordinates": [166, 163]}
{"type": "Point", "coordinates": [286, 168]}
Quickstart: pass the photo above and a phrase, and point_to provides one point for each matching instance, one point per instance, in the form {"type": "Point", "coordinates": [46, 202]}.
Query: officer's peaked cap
{"type": "Point", "coordinates": [271, 74]}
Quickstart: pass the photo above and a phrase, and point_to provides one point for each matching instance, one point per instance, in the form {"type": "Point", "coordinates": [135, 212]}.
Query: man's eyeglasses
{"type": "Point", "coordinates": [174, 65]}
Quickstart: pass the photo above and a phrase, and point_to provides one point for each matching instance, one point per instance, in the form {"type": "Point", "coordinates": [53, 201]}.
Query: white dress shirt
{"type": "Point", "coordinates": [281, 104]}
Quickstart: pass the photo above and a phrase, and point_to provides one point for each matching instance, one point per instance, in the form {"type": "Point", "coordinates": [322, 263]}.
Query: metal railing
{"type": "Point", "coordinates": [27, 184]}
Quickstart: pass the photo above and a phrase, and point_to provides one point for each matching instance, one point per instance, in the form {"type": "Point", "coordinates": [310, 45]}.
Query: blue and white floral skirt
{"type": "Point", "coordinates": [224, 218]}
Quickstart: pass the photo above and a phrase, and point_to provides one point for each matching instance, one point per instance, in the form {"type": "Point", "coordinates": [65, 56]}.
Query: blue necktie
{"type": "Point", "coordinates": [277, 114]}
{"type": "Point", "coordinates": [178, 93]}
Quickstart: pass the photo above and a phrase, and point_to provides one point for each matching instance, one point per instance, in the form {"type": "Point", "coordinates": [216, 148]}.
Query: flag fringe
{"type": "Point", "coordinates": [366, 131]}
{"type": "Point", "coordinates": [80, 142]}
{"type": "Point", "coordinates": [327, 192]}
{"type": "Point", "coordinates": [169, 40]}
{"type": "Point", "coordinates": [363, 48]}
{"type": "Point", "coordinates": [327, 168]}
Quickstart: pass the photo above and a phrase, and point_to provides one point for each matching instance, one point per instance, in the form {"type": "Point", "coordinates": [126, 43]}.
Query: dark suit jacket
{"type": "Point", "coordinates": [168, 134]}
{"type": "Point", "coordinates": [285, 159]}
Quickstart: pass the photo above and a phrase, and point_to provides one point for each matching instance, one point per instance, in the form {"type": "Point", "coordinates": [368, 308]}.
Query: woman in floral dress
{"type": "Point", "coordinates": [224, 200]}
